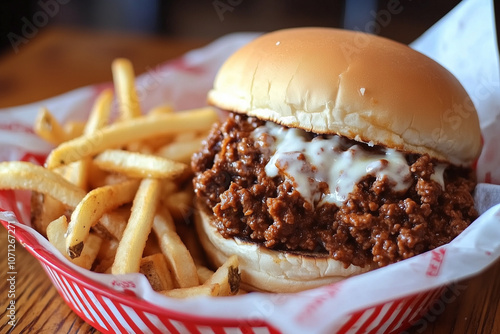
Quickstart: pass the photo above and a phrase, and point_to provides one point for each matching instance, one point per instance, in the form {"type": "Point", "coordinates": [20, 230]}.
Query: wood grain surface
{"type": "Point", "coordinates": [58, 60]}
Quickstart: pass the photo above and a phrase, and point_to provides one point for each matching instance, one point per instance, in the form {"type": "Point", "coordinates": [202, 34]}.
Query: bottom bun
{"type": "Point", "coordinates": [264, 269]}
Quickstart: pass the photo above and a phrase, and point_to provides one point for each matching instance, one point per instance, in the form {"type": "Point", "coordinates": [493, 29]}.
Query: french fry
{"type": "Point", "coordinates": [195, 291]}
{"type": "Point", "coordinates": [180, 151]}
{"type": "Point", "coordinates": [180, 204]}
{"type": "Point", "coordinates": [204, 274]}
{"type": "Point", "coordinates": [134, 164]}
{"type": "Point", "coordinates": [152, 246]}
{"type": "Point", "coordinates": [155, 268]}
{"type": "Point", "coordinates": [131, 246]}
{"type": "Point", "coordinates": [48, 128]}
{"type": "Point", "coordinates": [168, 187]}
{"type": "Point", "coordinates": [124, 80]}
{"type": "Point", "coordinates": [97, 199]}
{"type": "Point", "coordinates": [73, 129]}
{"type": "Point", "coordinates": [76, 172]}
{"type": "Point", "coordinates": [190, 239]}
{"type": "Point", "coordinates": [27, 176]}
{"type": "Point", "coordinates": [180, 262]}
{"type": "Point", "coordinates": [99, 116]}
{"type": "Point", "coordinates": [160, 110]}
{"type": "Point", "coordinates": [44, 209]}
{"type": "Point", "coordinates": [185, 136]}
{"type": "Point", "coordinates": [101, 231]}
{"type": "Point", "coordinates": [97, 177]}
{"type": "Point", "coordinates": [36, 204]}
{"type": "Point", "coordinates": [113, 223]}
{"type": "Point", "coordinates": [111, 179]}
{"type": "Point", "coordinates": [106, 255]}
{"type": "Point", "coordinates": [153, 144]}
{"type": "Point", "coordinates": [55, 233]}
{"type": "Point", "coordinates": [139, 147]}
{"type": "Point", "coordinates": [227, 277]}
{"type": "Point", "coordinates": [90, 210]}
{"type": "Point", "coordinates": [122, 133]}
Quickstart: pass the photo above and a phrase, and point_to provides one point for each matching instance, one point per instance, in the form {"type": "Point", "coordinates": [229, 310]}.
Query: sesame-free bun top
{"type": "Point", "coordinates": [353, 84]}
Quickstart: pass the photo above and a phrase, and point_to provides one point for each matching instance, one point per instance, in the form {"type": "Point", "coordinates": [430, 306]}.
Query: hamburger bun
{"type": "Point", "coordinates": [360, 86]}
{"type": "Point", "coordinates": [267, 270]}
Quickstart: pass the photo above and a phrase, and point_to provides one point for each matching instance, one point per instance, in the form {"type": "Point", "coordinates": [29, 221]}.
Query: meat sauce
{"type": "Point", "coordinates": [400, 205]}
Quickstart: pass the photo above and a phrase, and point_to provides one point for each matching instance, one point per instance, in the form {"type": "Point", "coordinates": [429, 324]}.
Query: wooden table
{"type": "Point", "coordinates": [58, 60]}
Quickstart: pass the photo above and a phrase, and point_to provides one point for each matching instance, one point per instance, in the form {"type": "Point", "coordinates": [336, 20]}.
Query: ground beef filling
{"type": "Point", "coordinates": [374, 226]}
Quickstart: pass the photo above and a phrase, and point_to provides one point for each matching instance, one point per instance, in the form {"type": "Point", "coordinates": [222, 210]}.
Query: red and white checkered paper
{"type": "Point", "coordinates": [387, 300]}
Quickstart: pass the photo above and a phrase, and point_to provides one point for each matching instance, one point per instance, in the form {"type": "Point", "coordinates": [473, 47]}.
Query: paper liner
{"type": "Point", "coordinates": [385, 300]}
{"type": "Point", "coordinates": [464, 42]}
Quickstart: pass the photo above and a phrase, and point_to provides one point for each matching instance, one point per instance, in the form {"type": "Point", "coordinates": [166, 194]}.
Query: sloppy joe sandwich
{"type": "Point", "coordinates": [341, 152]}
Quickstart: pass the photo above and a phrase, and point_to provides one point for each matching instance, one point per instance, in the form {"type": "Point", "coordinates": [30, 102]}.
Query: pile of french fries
{"type": "Point", "coordinates": [114, 197]}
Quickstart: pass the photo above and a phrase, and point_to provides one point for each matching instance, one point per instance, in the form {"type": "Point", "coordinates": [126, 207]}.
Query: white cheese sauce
{"type": "Point", "coordinates": [438, 175]}
{"type": "Point", "coordinates": [338, 162]}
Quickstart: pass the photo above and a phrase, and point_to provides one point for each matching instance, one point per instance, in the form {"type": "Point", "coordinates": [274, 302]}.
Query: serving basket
{"type": "Point", "coordinates": [111, 311]}
{"type": "Point", "coordinates": [386, 300]}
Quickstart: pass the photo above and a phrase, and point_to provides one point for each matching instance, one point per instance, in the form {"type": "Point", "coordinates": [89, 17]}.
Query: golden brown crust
{"type": "Point", "coordinates": [353, 84]}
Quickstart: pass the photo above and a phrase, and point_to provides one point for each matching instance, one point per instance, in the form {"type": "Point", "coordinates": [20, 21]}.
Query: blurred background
{"type": "Point", "coordinates": [402, 20]}
{"type": "Point", "coordinates": [48, 47]}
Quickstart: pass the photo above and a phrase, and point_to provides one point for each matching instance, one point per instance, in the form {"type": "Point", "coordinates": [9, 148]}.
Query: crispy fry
{"type": "Point", "coordinates": [139, 147]}
{"type": "Point", "coordinates": [91, 209]}
{"type": "Point", "coordinates": [120, 134]}
{"type": "Point", "coordinates": [106, 255]}
{"type": "Point", "coordinates": [55, 234]}
{"type": "Point", "coordinates": [180, 204]}
{"type": "Point", "coordinates": [44, 209]}
{"type": "Point", "coordinates": [76, 172]}
{"type": "Point", "coordinates": [155, 268]}
{"type": "Point", "coordinates": [27, 176]}
{"type": "Point", "coordinates": [99, 116]}
{"type": "Point", "coordinates": [152, 246]}
{"type": "Point", "coordinates": [47, 127]}
{"type": "Point", "coordinates": [180, 262]}
{"type": "Point", "coordinates": [114, 179]}
{"type": "Point", "coordinates": [168, 187]}
{"type": "Point", "coordinates": [135, 164]}
{"type": "Point", "coordinates": [36, 204]}
{"type": "Point", "coordinates": [195, 291]}
{"type": "Point", "coordinates": [204, 273]}
{"type": "Point", "coordinates": [181, 151]}
{"type": "Point", "coordinates": [160, 110]}
{"type": "Point", "coordinates": [227, 277]}
{"type": "Point", "coordinates": [97, 177]}
{"type": "Point", "coordinates": [185, 136]}
{"type": "Point", "coordinates": [155, 143]}
{"type": "Point", "coordinates": [112, 224]}
{"type": "Point", "coordinates": [124, 80]}
{"type": "Point", "coordinates": [109, 178]}
{"type": "Point", "coordinates": [74, 129]}
{"type": "Point", "coordinates": [131, 246]}
{"type": "Point", "coordinates": [189, 237]}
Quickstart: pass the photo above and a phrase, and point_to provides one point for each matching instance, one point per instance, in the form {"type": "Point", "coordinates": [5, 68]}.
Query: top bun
{"type": "Point", "coordinates": [353, 84]}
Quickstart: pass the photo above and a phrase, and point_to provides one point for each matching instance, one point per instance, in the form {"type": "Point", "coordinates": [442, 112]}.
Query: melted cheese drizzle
{"type": "Point", "coordinates": [339, 162]}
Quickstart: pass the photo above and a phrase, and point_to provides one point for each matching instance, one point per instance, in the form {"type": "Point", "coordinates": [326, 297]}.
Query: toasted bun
{"type": "Point", "coordinates": [263, 269]}
{"type": "Point", "coordinates": [353, 84]}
